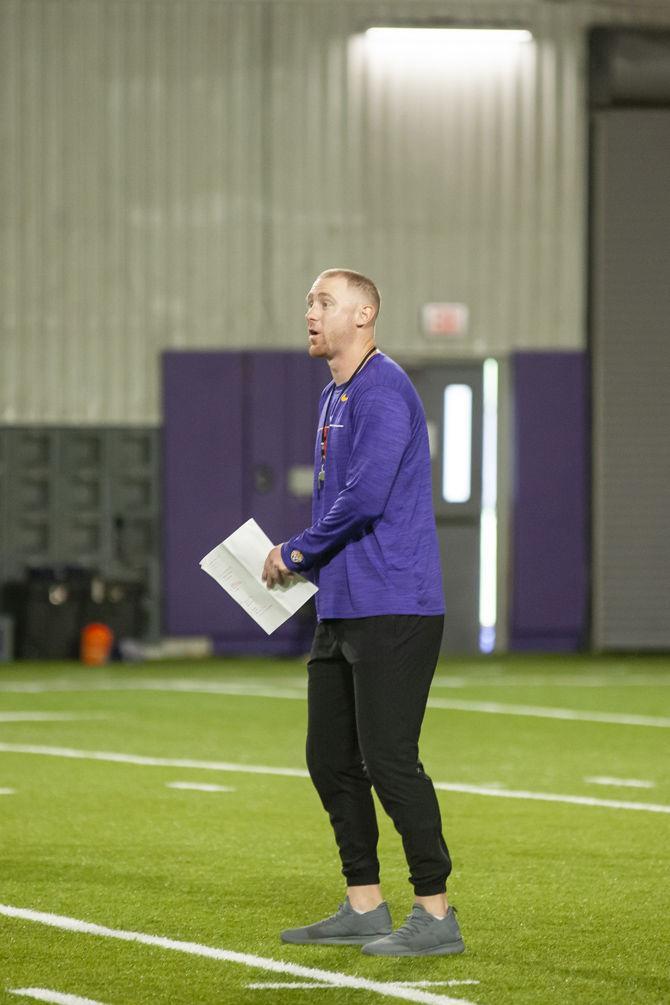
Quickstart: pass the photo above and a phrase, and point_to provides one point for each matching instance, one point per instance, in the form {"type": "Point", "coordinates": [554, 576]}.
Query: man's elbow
{"type": "Point", "coordinates": [370, 512]}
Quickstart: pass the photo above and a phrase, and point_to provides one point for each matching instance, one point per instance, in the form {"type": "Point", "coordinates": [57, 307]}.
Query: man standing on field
{"type": "Point", "coordinates": [372, 551]}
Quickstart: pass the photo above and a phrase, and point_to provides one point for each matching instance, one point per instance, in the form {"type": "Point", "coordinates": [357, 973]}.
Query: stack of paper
{"type": "Point", "coordinates": [237, 564]}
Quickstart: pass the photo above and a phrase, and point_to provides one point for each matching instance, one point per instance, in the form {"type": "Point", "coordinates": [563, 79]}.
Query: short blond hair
{"type": "Point", "coordinates": [361, 282]}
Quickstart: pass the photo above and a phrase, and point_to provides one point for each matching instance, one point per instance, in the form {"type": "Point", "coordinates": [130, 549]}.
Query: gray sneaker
{"type": "Point", "coordinates": [421, 935]}
{"type": "Point", "coordinates": [346, 928]}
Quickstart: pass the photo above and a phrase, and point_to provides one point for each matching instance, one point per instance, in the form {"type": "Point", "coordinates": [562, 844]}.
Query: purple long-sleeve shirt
{"type": "Point", "coordinates": [372, 547]}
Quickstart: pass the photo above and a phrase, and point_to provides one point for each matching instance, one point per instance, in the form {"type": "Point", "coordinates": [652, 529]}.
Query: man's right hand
{"type": "Point", "coordinates": [274, 570]}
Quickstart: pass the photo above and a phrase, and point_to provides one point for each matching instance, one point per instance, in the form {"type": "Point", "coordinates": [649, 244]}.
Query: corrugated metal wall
{"type": "Point", "coordinates": [631, 366]}
{"type": "Point", "coordinates": [174, 173]}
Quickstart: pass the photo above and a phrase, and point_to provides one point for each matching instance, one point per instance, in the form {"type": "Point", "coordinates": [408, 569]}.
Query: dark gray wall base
{"type": "Point", "coordinates": [84, 496]}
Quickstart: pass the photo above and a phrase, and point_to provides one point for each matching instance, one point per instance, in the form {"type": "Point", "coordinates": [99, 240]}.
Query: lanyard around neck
{"type": "Point", "coordinates": [325, 426]}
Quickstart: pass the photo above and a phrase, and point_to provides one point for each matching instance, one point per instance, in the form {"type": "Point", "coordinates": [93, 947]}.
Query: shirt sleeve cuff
{"type": "Point", "coordinates": [292, 558]}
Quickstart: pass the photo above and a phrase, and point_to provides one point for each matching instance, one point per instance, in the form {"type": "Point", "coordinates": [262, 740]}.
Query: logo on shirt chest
{"type": "Point", "coordinates": [332, 413]}
{"type": "Point", "coordinates": [337, 412]}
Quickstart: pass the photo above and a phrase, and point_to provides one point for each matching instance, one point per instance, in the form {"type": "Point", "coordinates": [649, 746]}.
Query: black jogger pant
{"type": "Point", "coordinates": [368, 686]}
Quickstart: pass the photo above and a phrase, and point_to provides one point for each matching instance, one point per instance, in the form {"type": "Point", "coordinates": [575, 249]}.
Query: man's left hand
{"type": "Point", "coordinates": [274, 570]}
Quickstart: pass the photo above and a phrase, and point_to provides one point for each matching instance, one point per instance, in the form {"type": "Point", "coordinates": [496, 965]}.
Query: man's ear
{"type": "Point", "coordinates": [365, 315]}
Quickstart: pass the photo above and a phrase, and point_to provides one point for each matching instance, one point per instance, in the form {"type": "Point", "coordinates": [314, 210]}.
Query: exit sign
{"type": "Point", "coordinates": [444, 319]}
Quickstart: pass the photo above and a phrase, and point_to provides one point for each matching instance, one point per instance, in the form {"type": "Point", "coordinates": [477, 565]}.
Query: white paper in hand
{"type": "Point", "coordinates": [237, 564]}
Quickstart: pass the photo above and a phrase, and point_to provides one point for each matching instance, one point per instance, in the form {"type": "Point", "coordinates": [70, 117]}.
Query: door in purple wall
{"type": "Point", "coordinates": [238, 442]}
{"type": "Point", "coordinates": [550, 502]}
{"type": "Point", "coordinates": [457, 515]}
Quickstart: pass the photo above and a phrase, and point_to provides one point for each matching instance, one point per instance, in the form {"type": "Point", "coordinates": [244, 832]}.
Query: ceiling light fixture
{"type": "Point", "coordinates": [404, 37]}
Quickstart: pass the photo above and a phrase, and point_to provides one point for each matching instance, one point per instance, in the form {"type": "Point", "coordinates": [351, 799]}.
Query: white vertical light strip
{"type": "Point", "coordinates": [457, 443]}
{"type": "Point", "coordinates": [488, 546]}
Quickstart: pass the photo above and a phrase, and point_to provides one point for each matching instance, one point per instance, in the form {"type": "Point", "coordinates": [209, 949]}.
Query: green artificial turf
{"type": "Point", "coordinates": [559, 903]}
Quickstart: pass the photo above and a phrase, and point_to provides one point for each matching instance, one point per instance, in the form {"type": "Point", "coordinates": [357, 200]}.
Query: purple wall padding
{"type": "Point", "coordinates": [202, 460]}
{"type": "Point", "coordinates": [234, 423]}
{"type": "Point", "coordinates": [550, 502]}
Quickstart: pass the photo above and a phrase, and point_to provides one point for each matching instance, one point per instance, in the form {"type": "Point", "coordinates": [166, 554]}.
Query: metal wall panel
{"type": "Point", "coordinates": [458, 181]}
{"type": "Point", "coordinates": [176, 171]}
{"type": "Point", "coordinates": [131, 197]}
{"type": "Point", "coordinates": [631, 365]}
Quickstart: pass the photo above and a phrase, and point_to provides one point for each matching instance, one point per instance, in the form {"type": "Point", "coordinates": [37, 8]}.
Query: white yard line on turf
{"type": "Point", "coordinates": [46, 995]}
{"type": "Point", "coordinates": [539, 712]}
{"type": "Point", "coordinates": [199, 786]}
{"type": "Point", "coordinates": [554, 680]}
{"type": "Point", "coordinates": [7, 792]}
{"type": "Point", "coordinates": [242, 690]}
{"type": "Point", "coordinates": [294, 687]}
{"type": "Point", "coordinates": [280, 985]}
{"type": "Point", "coordinates": [552, 797]}
{"type": "Point", "coordinates": [331, 977]}
{"type": "Point", "coordinates": [258, 769]}
{"type": "Point", "coordinates": [150, 762]}
{"type": "Point", "coordinates": [46, 716]}
{"type": "Point", "coordinates": [630, 783]}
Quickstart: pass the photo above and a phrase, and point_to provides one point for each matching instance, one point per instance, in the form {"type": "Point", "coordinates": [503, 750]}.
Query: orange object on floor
{"type": "Point", "coordinates": [96, 644]}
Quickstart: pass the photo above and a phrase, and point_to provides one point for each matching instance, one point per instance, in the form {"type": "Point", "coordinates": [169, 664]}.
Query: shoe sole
{"type": "Point", "coordinates": [451, 949]}
{"type": "Point", "coordinates": [351, 940]}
